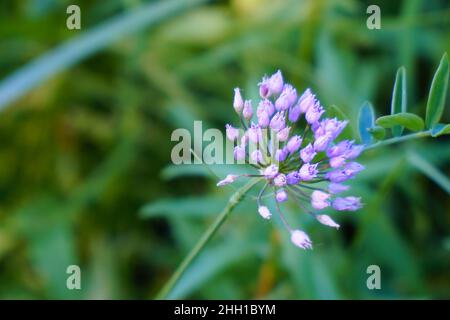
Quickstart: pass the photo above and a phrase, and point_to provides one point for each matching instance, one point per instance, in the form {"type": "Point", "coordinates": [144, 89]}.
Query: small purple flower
{"type": "Point", "coordinates": [321, 143]}
{"type": "Point", "coordinates": [254, 133]}
{"type": "Point", "coordinates": [244, 139]}
{"type": "Point", "coordinates": [293, 177]}
{"type": "Point", "coordinates": [247, 112]}
{"type": "Point", "coordinates": [294, 113]}
{"type": "Point", "coordinates": [280, 180]}
{"type": "Point", "coordinates": [319, 200]}
{"type": "Point", "coordinates": [353, 168]}
{"type": "Point", "coordinates": [337, 176]}
{"type": "Point", "coordinates": [276, 83]}
{"type": "Point", "coordinates": [263, 119]}
{"type": "Point", "coordinates": [307, 154]}
{"type": "Point", "coordinates": [354, 151]}
{"type": "Point", "coordinates": [294, 144]}
{"type": "Point", "coordinates": [238, 103]}
{"type": "Point", "coordinates": [267, 106]}
{"type": "Point", "coordinates": [286, 99]}
{"type": "Point", "coordinates": [228, 179]}
{"type": "Point", "coordinates": [314, 113]}
{"type": "Point", "coordinates": [339, 149]}
{"type": "Point", "coordinates": [239, 153]}
{"type": "Point", "coordinates": [301, 239]}
{"type": "Point", "coordinates": [332, 127]}
{"type": "Point", "coordinates": [281, 195]}
{"type": "Point", "coordinates": [257, 156]}
{"type": "Point", "coordinates": [270, 172]}
{"type": "Point", "coordinates": [326, 220]}
{"type": "Point", "coordinates": [308, 171]}
{"type": "Point", "coordinates": [264, 88]}
{"type": "Point", "coordinates": [231, 132]}
{"type": "Point", "coordinates": [278, 122]}
{"type": "Point", "coordinates": [283, 134]}
{"type": "Point", "coordinates": [337, 162]}
{"type": "Point", "coordinates": [336, 188]}
{"type": "Point", "coordinates": [306, 101]}
{"type": "Point", "coordinates": [264, 212]}
{"type": "Point", "coordinates": [281, 154]}
{"type": "Point", "coordinates": [347, 204]}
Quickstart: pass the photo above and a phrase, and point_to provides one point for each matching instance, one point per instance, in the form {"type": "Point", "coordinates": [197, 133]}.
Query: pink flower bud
{"type": "Point", "coordinates": [301, 239]}
{"type": "Point", "coordinates": [238, 103]}
{"type": "Point", "coordinates": [264, 212]}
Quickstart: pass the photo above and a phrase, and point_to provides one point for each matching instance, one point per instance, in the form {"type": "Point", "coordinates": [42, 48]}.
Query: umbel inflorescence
{"type": "Point", "coordinates": [309, 167]}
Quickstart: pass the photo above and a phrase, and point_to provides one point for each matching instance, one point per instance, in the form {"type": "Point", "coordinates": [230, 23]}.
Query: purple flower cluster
{"type": "Point", "coordinates": [309, 167]}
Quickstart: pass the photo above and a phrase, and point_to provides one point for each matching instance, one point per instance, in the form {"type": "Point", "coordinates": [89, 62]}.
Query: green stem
{"type": "Point", "coordinates": [411, 136]}
{"type": "Point", "coordinates": [234, 200]}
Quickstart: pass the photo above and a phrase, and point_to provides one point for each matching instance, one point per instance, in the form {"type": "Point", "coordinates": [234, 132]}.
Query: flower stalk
{"type": "Point", "coordinates": [209, 233]}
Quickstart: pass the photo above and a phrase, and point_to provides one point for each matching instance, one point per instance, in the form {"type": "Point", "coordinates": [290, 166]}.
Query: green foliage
{"type": "Point", "coordinates": [365, 122]}
{"type": "Point", "coordinates": [438, 91]}
{"type": "Point", "coordinates": [398, 104]}
{"type": "Point", "coordinates": [377, 132]}
{"type": "Point", "coordinates": [405, 119]}
{"type": "Point", "coordinates": [440, 129]}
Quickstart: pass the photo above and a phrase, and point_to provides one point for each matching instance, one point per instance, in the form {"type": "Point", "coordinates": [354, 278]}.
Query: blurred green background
{"type": "Point", "coordinates": [85, 170]}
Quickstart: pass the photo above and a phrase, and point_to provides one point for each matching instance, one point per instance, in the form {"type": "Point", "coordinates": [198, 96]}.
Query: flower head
{"type": "Point", "coordinates": [247, 112]}
{"type": "Point", "coordinates": [264, 212]}
{"type": "Point", "coordinates": [238, 103]}
{"type": "Point", "coordinates": [276, 83]}
{"type": "Point", "coordinates": [301, 239]}
{"type": "Point", "coordinates": [347, 204]}
{"type": "Point", "coordinates": [281, 195]}
{"type": "Point", "coordinates": [232, 133]}
{"type": "Point", "coordinates": [291, 164]}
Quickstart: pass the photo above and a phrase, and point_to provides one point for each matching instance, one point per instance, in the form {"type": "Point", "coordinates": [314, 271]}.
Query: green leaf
{"type": "Point", "coordinates": [405, 119]}
{"type": "Point", "coordinates": [440, 129]}
{"type": "Point", "coordinates": [429, 170]}
{"type": "Point", "coordinates": [438, 90]}
{"type": "Point", "coordinates": [398, 103]}
{"type": "Point", "coordinates": [377, 132]}
{"type": "Point", "coordinates": [86, 44]}
{"type": "Point", "coordinates": [365, 121]}
{"type": "Point", "coordinates": [209, 264]}
{"type": "Point", "coordinates": [189, 206]}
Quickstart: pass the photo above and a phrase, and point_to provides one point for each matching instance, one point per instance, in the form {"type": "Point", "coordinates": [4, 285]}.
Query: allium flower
{"type": "Point", "coordinates": [276, 83]}
{"type": "Point", "coordinates": [281, 154]}
{"type": "Point", "coordinates": [326, 220]}
{"type": "Point", "coordinates": [247, 112]}
{"type": "Point", "coordinates": [278, 122]}
{"type": "Point", "coordinates": [283, 134]}
{"type": "Point", "coordinates": [281, 195]}
{"type": "Point", "coordinates": [307, 154]}
{"type": "Point", "coordinates": [263, 119]}
{"type": "Point", "coordinates": [301, 239]}
{"type": "Point", "coordinates": [307, 166]}
{"type": "Point", "coordinates": [232, 133]}
{"type": "Point", "coordinates": [347, 204]}
{"type": "Point", "coordinates": [308, 172]}
{"type": "Point", "coordinates": [238, 103]}
{"type": "Point", "coordinates": [286, 99]}
{"type": "Point", "coordinates": [319, 200]}
{"type": "Point", "coordinates": [264, 212]}
{"type": "Point", "coordinates": [228, 179]}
